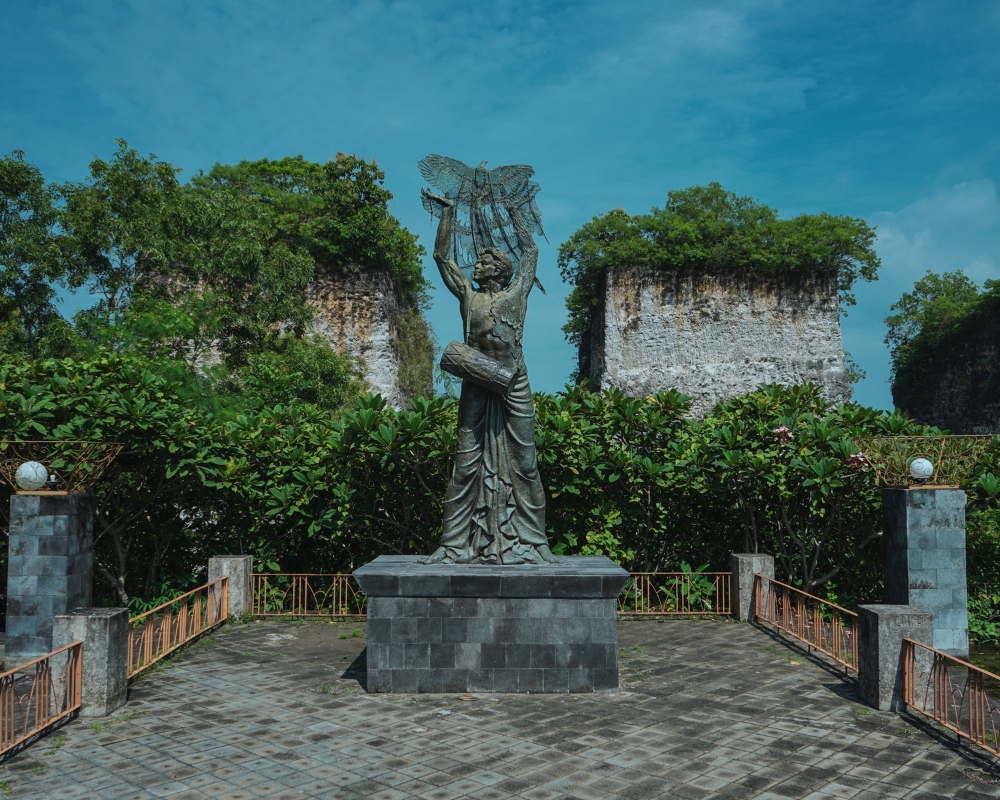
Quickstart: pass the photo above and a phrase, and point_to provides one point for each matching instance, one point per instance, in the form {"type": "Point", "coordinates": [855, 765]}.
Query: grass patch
{"type": "Point", "coordinates": [5, 789]}
{"type": "Point", "coordinates": [172, 658]}
{"type": "Point", "coordinates": [100, 727]}
{"type": "Point", "coordinates": [864, 711]}
{"type": "Point", "coordinates": [903, 732]}
{"type": "Point", "coordinates": [794, 659]}
{"type": "Point", "coordinates": [357, 633]}
{"type": "Point", "coordinates": [56, 742]}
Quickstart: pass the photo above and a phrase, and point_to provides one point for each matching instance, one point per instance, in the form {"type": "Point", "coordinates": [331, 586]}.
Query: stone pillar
{"type": "Point", "coordinates": [104, 633]}
{"type": "Point", "coordinates": [925, 560]}
{"type": "Point", "coordinates": [744, 566]}
{"type": "Point", "coordinates": [49, 568]}
{"type": "Point", "coordinates": [238, 569]}
{"type": "Point", "coordinates": [881, 630]}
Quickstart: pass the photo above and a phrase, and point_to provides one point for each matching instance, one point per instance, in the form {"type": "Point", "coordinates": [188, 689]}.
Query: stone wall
{"type": "Point", "coordinates": [715, 336]}
{"type": "Point", "coordinates": [959, 388]}
{"type": "Point", "coordinates": [357, 312]}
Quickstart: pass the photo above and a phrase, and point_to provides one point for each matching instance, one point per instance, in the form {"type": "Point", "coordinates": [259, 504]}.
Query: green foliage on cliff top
{"type": "Point", "coordinates": [337, 212]}
{"type": "Point", "coordinates": [939, 314]}
{"type": "Point", "coordinates": [706, 228]}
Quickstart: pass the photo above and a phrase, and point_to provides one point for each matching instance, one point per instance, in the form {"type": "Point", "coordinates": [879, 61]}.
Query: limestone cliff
{"type": "Point", "coordinates": [359, 312]}
{"type": "Point", "coordinates": [715, 335]}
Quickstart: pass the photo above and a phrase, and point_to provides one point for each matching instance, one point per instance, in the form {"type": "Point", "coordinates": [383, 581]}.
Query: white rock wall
{"type": "Point", "coordinates": [356, 313]}
{"type": "Point", "coordinates": [717, 336]}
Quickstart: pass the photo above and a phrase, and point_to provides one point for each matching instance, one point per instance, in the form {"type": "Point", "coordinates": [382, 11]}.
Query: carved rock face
{"type": "Point", "coordinates": [356, 313]}
{"type": "Point", "coordinates": [716, 335]}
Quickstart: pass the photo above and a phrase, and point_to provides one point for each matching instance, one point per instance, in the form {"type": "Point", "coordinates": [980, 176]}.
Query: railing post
{"type": "Point", "coordinates": [238, 569]}
{"type": "Point", "coordinates": [744, 566]}
{"type": "Point", "coordinates": [881, 654]}
{"type": "Point", "coordinates": [104, 633]}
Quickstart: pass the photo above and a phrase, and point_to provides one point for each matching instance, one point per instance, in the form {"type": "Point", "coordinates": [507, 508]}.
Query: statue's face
{"type": "Point", "coordinates": [487, 269]}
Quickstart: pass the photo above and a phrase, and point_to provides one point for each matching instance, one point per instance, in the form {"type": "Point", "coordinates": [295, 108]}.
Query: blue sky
{"type": "Point", "coordinates": [883, 110]}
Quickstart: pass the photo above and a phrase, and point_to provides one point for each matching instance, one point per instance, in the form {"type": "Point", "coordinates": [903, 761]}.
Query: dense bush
{"type": "Point", "coordinates": [294, 485]}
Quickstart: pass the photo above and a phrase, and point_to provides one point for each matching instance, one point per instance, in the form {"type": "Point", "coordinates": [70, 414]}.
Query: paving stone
{"type": "Point", "coordinates": [706, 710]}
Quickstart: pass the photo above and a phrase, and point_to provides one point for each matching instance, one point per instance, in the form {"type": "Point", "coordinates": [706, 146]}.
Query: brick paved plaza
{"type": "Point", "coordinates": [707, 710]}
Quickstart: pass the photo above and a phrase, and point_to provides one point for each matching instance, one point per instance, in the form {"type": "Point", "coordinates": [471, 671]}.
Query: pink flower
{"type": "Point", "coordinates": [859, 461]}
{"type": "Point", "coordinates": [782, 434]}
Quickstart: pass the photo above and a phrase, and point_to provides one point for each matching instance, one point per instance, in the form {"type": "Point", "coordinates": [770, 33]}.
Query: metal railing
{"type": "Point", "coordinates": [32, 698]}
{"type": "Point", "coordinates": [818, 623]}
{"type": "Point", "coordinates": [969, 706]}
{"type": "Point", "coordinates": [676, 593]}
{"type": "Point", "coordinates": [162, 630]}
{"type": "Point", "coordinates": [338, 595]}
{"type": "Point", "coordinates": [306, 595]}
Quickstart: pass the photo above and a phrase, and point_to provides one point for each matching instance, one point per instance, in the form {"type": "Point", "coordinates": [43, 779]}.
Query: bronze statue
{"type": "Point", "coordinates": [494, 509]}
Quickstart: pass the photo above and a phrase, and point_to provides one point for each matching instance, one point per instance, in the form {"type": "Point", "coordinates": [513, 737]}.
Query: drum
{"type": "Point", "coordinates": [479, 369]}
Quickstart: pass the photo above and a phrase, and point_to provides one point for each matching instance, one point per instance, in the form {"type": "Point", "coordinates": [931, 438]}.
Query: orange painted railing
{"type": "Point", "coordinates": [162, 630]}
{"type": "Point", "coordinates": [818, 623]}
{"type": "Point", "coordinates": [676, 593]}
{"type": "Point", "coordinates": [969, 706]}
{"type": "Point", "coordinates": [306, 595]}
{"type": "Point", "coordinates": [32, 699]}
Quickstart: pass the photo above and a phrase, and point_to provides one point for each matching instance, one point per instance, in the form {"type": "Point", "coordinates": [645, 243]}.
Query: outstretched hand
{"type": "Point", "coordinates": [441, 200]}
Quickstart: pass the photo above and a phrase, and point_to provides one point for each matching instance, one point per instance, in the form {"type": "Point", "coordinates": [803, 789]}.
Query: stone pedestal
{"type": "Point", "coordinates": [49, 568]}
{"type": "Point", "coordinates": [104, 633]}
{"type": "Point", "coordinates": [744, 567]}
{"type": "Point", "coordinates": [881, 630]}
{"type": "Point", "coordinates": [471, 628]}
{"type": "Point", "coordinates": [925, 560]}
{"type": "Point", "coordinates": [238, 569]}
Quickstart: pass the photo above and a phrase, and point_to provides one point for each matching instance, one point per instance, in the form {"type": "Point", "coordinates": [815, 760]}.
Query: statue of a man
{"type": "Point", "coordinates": [494, 510]}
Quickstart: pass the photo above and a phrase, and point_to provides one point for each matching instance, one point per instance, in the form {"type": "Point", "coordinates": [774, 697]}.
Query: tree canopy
{"type": "Point", "coordinates": [337, 212]}
{"type": "Point", "coordinates": [941, 312]}
{"type": "Point", "coordinates": [704, 228]}
{"type": "Point", "coordinates": [211, 273]}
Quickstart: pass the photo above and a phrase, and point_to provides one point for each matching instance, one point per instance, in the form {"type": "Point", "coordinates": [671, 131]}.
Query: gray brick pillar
{"type": "Point", "coordinates": [881, 630]}
{"type": "Point", "coordinates": [49, 568]}
{"type": "Point", "coordinates": [744, 566]}
{"type": "Point", "coordinates": [104, 633]}
{"type": "Point", "coordinates": [925, 560]}
{"type": "Point", "coordinates": [238, 569]}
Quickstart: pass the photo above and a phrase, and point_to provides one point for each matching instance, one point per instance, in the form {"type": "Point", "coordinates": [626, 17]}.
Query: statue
{"type": "Point", "coordinates": [494, 509]}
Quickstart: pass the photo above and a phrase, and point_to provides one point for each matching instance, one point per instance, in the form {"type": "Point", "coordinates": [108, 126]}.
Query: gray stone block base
{"type": "Point", "coordinates": [49, 571]}
{"type": "Point", "coordinates": [925, 560]}
{"type": "Point", "coordinates": [104, 633]}
{"type": "Point", "coordinates": [470, 628]}
{"type": "Point", "coordinates": [744, 567]}
{"type": "Point", "coordinates": [881, 630]}
{"type": "Point", "coordinates": [238, 569]}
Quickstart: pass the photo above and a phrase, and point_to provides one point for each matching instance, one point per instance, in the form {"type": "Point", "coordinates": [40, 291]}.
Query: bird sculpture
{"type": "Point", "coordinates": [482, 198]}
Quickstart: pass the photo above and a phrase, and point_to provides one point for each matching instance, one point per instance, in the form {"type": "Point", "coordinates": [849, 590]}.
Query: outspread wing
{"type": "Point", "coordinates": [446, 174]}
{"type": "Point", "coordinates": [483, 197]}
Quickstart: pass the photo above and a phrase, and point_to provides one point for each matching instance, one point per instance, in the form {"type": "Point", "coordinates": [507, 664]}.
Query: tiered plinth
{"type": "Point", "coordinates": [471, 628]}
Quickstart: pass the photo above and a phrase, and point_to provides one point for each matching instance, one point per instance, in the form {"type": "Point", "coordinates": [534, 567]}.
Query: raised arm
{"type": "Point", "coordinates": [452, 276]}
{"type": "Point", "coordinates": [529, 254]}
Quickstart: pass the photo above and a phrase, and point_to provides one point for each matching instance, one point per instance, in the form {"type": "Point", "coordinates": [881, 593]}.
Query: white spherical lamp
{"type": "Point", "coordinates": [921, 470]}
{"type": "Point", "coordinates": [31, 476]}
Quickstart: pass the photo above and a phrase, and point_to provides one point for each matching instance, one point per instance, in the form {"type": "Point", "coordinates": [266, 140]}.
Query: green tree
{"type": "Point", "coordinates": [29, 255]}
{"type": "Point", "coordinates": [175, 268]}
{"type": "Point", "coordinates": [338, 212]}
{"type": "Point", "coordinates": [705, 228]}
{"type": "Point", "coordinates": [928, 314]}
